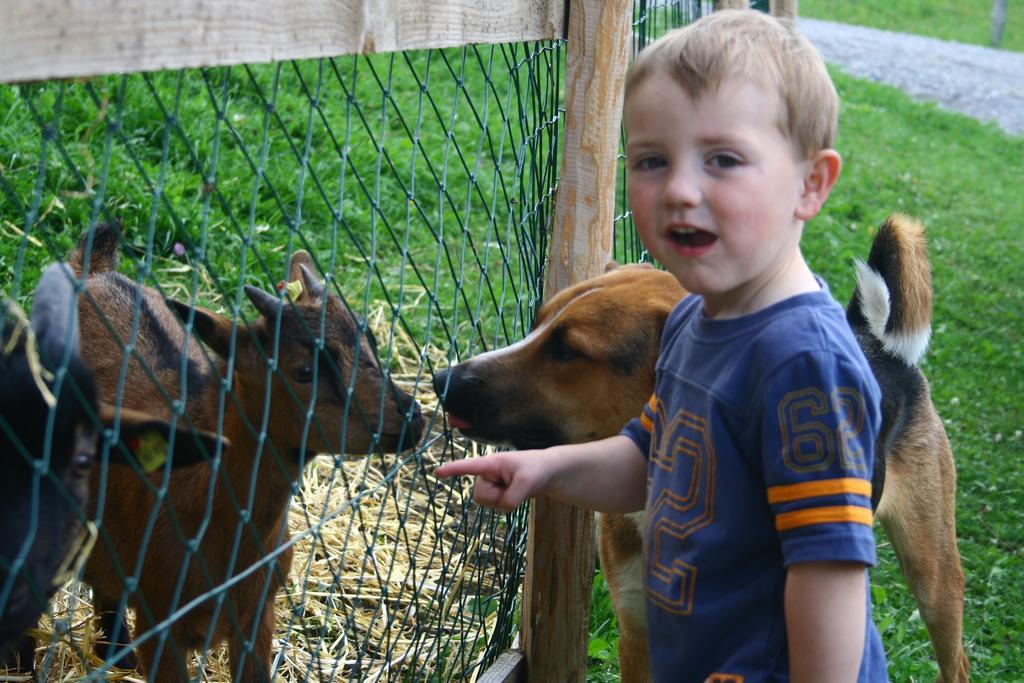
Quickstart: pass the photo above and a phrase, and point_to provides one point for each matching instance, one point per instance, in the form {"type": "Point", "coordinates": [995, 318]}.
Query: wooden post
{"type": "Point", "coordinates": [998, 22]}
{"type": "Point", "coordinates": [783, 9]}
{"type": "Point", "coordinates": [560, 548]}
{"type": "Point", "coordinates": [595, 67]}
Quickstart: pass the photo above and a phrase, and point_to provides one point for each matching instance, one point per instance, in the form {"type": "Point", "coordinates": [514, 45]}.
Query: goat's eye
{"type": "Point", "coordinates": [303, 374]}
{"type": "Point", "coordinates": [84, 450]}
{"type": "Point", "coordinates": [82, 462]}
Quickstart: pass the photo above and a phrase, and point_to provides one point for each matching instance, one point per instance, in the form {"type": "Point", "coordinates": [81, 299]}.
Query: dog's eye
{"type": "Point", "coordinates": [559, 349]}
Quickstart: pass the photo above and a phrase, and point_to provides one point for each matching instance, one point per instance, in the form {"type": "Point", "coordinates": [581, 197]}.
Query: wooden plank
{"type": "Point", "coordinates": [560, 547]}
{"type": "Point", "coordinates": [556, 591]}
{"type": "Point", "coordinates": [784, 9]}
{"type": "Point", "coordinates": [45, 39]}
{"type": "Point", "coordinates": [596, 59]}
{"type": "Point", "coordinates": [509, 667]}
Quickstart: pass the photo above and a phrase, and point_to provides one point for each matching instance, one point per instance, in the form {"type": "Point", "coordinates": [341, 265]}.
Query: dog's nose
{"type": "Point", "coordinates": [440, 380]}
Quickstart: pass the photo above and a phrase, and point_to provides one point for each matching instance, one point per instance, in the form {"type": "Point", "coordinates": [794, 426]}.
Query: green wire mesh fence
{"type": "Point", "coordinates": [421, 184]}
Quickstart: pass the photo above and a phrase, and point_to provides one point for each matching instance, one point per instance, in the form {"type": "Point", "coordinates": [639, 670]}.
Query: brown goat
{"type": "Point", "coordinates": [210, 553]}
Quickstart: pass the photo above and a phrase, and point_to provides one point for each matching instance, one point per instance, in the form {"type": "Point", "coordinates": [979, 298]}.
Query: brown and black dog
{"type": "Point", "coordinates": [587, 367]}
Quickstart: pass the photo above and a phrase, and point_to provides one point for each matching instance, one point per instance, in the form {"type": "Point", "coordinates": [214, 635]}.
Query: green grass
{"type": "Point", "coordinates": [965, 21]}
{"type": "Point", "coordinates": [603, 649]}
{"type": "Point", "coordinates": [408, 176]}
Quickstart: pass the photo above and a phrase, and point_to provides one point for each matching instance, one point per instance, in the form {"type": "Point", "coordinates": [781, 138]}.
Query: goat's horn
{"type": "Point", "coordinates": [265, 303]}
{"type": "Point", "coordinates": [54, 313]}
{"type": "Point", "coordinates": [311, 282]}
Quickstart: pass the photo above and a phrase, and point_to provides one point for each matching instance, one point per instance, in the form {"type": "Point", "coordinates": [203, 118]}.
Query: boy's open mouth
{"type": "Point", "coordinates": [693, 238]}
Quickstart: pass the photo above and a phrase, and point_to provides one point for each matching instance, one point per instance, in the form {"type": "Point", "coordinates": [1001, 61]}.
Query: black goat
{"type": "Point", "coordinates": [50, 429]}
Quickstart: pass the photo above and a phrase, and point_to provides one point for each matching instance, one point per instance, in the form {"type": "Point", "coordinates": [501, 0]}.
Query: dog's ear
{"type": "Point", "coordinates": [611, 265]}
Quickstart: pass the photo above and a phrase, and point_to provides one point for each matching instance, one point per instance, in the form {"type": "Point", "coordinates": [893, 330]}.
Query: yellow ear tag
{"type": "Point", "coordinates": [292, 290]}
{"type": "Point", "coordinates": [150, 450]}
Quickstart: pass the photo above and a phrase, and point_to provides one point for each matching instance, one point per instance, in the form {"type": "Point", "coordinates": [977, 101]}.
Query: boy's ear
{"type": "Point", "coordinates": [821, 176]}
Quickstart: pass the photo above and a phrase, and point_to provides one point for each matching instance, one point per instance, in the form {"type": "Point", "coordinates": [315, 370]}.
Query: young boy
{"type": "Point", "coordinates": [753, 457]}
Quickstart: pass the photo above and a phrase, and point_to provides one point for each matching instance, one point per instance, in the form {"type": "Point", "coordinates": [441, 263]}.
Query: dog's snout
{"type": "Point", "coordinates": [440, 381]}
{"type": "Point", "coordinates": [455, 380]}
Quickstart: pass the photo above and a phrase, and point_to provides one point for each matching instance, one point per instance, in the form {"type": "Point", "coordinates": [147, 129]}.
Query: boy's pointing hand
{"type": "Point", "coordinates": [503, 480]}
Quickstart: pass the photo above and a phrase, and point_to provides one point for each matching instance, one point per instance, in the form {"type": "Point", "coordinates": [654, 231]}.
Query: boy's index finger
{"type": "Point", "coordinates": [456, 468]}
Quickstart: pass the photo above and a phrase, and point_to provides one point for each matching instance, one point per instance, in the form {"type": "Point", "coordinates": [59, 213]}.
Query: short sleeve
{"type": "Point", "coordinates": [819, 420]}
{"type": "Point", "coordinates": [639, 428]}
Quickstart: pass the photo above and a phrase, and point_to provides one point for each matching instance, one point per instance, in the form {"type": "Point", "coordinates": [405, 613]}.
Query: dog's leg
{"type": "Point", "coordinates": [635, 667]}
{"type": "Point", "coordinates": [619, 545]}
{"type": "Point", "coordinates": [918, 511]}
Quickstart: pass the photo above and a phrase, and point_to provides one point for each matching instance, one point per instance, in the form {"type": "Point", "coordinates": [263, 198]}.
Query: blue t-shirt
{"type": "Point", "coordinates": [760, 439]}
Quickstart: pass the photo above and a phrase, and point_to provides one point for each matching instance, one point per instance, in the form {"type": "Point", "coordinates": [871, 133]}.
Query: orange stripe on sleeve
{"type": "Point", "coordinates": [645, 418]}
{"type": "Point", "coordinates": [825, 515]}
{"type": "Point", "coordinates": [724, 678]}
{"type": "Point", "coordinates": [815, 489]}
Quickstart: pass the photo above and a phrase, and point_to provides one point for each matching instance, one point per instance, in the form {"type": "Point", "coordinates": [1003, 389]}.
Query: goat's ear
{"type": "Point", "coordinates": [213, 329]}
{"type": "Point", "coordinates": [300, 258]}
{"type": "Point", "coordinates": [611, 265]}
{"type": "Point", "coordinates": [303, 269]}
{"type": "Point", "coordinates": [144, 438]}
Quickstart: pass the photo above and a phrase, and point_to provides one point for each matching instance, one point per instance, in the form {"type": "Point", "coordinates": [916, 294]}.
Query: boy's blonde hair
{"type": "Point", "coordinates": [754, 46]}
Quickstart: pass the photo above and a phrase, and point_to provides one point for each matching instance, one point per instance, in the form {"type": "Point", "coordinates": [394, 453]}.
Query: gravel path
{"type": "Point", "coordinates": [982, 82]}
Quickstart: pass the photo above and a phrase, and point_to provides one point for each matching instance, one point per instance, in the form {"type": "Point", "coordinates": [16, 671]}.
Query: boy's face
{"type": "Point", "coordinates": [715, 189]}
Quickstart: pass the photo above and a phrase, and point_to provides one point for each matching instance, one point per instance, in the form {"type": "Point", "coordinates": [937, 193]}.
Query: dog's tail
{"type": "Point", "coordinates": [892, 302]}
{"type": "Point", "coordinates": [96, 248]}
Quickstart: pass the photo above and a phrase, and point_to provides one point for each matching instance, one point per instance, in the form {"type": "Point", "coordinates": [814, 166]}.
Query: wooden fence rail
{"type": "Point", "coordinates": [44, 39]}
